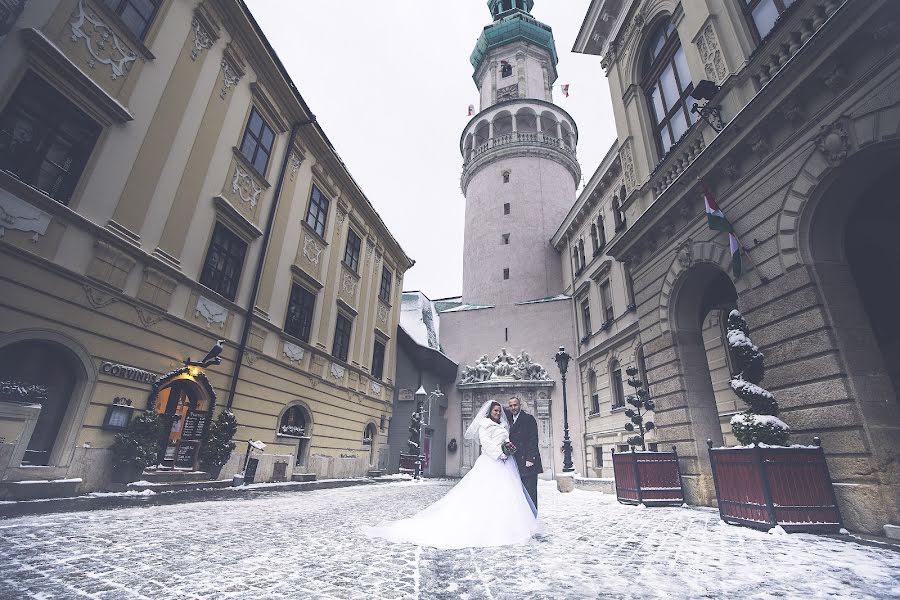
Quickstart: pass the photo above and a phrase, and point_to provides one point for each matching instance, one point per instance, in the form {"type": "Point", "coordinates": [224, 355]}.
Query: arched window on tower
{"type": "Point", "coordinates": [667, 84]}
{"type": "Point", "coordinates": [595, 243]}
{"type": "Point", "coordinates": [505, 69]}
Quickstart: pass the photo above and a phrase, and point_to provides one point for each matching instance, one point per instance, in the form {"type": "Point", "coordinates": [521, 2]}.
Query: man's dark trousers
{"type": "Point", "coordinates": [523, 433]}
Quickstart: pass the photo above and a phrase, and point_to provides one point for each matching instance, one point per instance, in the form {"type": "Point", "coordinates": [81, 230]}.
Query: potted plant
{"type": "Point", "coordinates": [136, 447]}
{"type": "Point", "coordinates": [218, 447]}
{"type": "Point", "coordinates": [648, 478]}
{"type": "Point", "coordinates": [763, 483]}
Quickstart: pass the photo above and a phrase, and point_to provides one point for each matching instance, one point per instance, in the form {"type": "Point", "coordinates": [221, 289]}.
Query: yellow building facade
{"type": "Point", "coordinates": [163, 185]}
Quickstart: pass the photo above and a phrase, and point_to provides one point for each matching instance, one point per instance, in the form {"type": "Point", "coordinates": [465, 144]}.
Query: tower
{"type": "Point", "coordinates": [519, 168]}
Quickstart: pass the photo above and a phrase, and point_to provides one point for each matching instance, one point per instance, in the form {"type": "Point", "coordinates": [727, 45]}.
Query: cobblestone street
{"type": "Point", "coordinates": [307, 545]}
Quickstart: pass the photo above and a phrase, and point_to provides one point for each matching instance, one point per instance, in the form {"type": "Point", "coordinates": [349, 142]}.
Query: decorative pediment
{"type": "Point", "coordinates": [504, 367]}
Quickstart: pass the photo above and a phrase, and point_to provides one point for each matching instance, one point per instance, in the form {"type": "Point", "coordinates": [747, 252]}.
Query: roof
{"type": "Point", "coordinates": [514, 27]}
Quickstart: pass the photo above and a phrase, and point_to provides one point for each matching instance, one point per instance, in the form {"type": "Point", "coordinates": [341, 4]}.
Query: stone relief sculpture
{"type": "Point", "coordinates": [504, 367]}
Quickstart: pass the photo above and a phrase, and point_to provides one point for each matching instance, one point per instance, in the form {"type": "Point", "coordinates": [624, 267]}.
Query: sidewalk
{"type": "Point", "coordinates": [149, 497]}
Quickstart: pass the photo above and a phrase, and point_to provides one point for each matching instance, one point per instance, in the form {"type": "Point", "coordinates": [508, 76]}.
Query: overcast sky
{"type": "Point", "coordinates": [390, 82]}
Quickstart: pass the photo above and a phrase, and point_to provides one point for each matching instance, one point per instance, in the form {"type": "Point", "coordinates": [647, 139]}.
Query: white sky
{"type": "Point", "coordinates": [390, 82]}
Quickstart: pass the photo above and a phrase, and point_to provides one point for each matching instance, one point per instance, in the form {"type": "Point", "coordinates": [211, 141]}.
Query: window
{"type": "Point", "coordinates": [505, 69]}
{"type": "Point", "coordinates": [618, 390]}
{"type": "Point", "coordinates": [575, 257]}
{"type": "Point", "coordinates": [301, 306]}
{"type": "Point", "coordinates": [44, 140]}
{"type": "Point", "coordinates": [592, 389]}
{"type": "Point", "coordinates": [586, 317]}
{"type": "Point", "coordinates": [765, 13]}
{"type": "Point", "coordinates": [351, 253]}
{"type": "Point", "coordinates": [581, 253]}
{"type": "Point", "coordinates": [622, 448]}
{"type": "Point", "coordinates": [506, 208]}
{"type": "Point", "coordinates": [135, 14]}
{"type": "Point", "coordinates": [629, 287]}
{"type": "Point", "coordinates": [317, 212]}
{"type": "Point", "coordinates": [341, 346]}
{"type": "Point", "coordinates": [224, 261]}
{"type": "Point", "coordinates": [506, 176]}
{"type": "Point", "coordinates": [257, 143]}
{"type": "Point", "coordinates": [642, 365]}
{"type": "Point", "coordinates": [601, 231]}
{"type": "Point", "coordinates": [667, 83]}
{"type": "Point", "coordinates": [606, 302]}
{"type": "Point", "coordinates": [598, 457]}
{"type": "Point", "coordinates": [506, 239]}
{"type": "Point", "coordinates": [618, 213]}
{"type": "Point", "coordinates": [506, 273]}
{"type": "Point", "coordinates": [384, 292]}
{"type": "Point", "coordinates": [378, 360]}
{"type": "Point", "coordinates": [595, 242]}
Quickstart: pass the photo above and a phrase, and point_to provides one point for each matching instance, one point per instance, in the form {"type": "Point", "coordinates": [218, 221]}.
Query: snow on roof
{"type": "Point", "coordinates": [548, 299]}
{"type": "Point", "coordinates": [463, 307]}
{"type": "Point", "coordinates": [419, 319]}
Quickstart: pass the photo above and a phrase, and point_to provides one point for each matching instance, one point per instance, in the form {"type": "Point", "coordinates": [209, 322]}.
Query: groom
{"type": "Point", "coordinates": [524, 434]}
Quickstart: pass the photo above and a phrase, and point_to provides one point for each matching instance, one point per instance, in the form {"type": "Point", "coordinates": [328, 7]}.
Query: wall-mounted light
{"type": "Point", "coordinates": [711, 114]}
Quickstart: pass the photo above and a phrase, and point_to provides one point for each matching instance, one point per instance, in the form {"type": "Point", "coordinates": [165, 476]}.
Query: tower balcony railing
{"type": "Point", "coordinates": [520, 137]}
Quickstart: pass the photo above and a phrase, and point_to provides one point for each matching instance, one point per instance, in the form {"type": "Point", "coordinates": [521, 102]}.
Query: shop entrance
{"type": "Point", "coordinates": [184, 408]}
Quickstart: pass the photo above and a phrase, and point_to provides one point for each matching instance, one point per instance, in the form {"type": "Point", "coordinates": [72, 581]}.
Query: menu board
{"type": "Point", "coordinates": [194, 424]}
{"type": "Point", "coordinates": [184, 456]}
{"type": "Point", "coordinates": [250, 472]}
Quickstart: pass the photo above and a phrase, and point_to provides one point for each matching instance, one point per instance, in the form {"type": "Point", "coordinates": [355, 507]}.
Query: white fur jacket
{"type": "Point", "coordinates": [492, 435]}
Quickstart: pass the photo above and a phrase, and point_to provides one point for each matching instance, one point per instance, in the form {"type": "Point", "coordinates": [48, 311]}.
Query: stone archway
{"type": "Point", "coordinates": [700, 290]}
{"type": "Point", "coordinates": [64, 368]}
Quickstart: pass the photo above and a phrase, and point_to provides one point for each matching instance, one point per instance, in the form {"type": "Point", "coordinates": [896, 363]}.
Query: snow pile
{"type": "Point", "coordinates": [129, 493]}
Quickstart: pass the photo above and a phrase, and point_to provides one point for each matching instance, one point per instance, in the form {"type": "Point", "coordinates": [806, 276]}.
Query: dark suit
{"type": "Point", "coordinates": [524, 434]}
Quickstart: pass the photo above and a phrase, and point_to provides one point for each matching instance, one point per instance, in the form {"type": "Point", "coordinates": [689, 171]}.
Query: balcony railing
{"type": "Point", "coordinates": [519, 137]}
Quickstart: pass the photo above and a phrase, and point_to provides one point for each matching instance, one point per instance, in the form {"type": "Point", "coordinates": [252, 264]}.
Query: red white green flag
{"type": "Point", "coordinates": [735, 247]}
{"type": "Point", "coordinates": [714, 215]}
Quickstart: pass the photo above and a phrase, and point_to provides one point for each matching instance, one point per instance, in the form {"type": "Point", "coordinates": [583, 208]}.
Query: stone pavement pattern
{"type": "Point", "coordinates": [307, 545]}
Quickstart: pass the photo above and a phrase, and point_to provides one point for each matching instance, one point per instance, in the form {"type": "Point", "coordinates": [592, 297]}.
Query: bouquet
{"type": "Point", "coordinates": [508, 448]}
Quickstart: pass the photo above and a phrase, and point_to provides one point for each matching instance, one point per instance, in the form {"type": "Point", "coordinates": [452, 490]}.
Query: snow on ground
{"type": "Point", "coordinates": [308, 545]}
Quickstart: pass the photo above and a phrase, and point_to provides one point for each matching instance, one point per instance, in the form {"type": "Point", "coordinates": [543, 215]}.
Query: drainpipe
{"type": "Point", "coordinates": [261, 262]}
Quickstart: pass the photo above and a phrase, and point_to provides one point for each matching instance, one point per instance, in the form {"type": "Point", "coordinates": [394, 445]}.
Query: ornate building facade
{"type": "Point", "coordinates": [163, 185]}
{"type": "Point", "coordinates": [795, 133]}
{"type": "Point", "coordinates": [519, 178]}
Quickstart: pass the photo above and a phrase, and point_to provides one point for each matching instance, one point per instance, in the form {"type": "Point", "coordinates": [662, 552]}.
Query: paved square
{"type": "Point", "coordinates": [307, 545]}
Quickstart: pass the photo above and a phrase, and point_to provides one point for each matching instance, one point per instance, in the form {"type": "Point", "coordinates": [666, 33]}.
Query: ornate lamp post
{"type": "Point", "coordinates": [562, 361]}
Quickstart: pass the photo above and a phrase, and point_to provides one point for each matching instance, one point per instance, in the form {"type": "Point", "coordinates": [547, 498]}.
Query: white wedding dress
{"type": "Point", "coordinates": [488, 507]}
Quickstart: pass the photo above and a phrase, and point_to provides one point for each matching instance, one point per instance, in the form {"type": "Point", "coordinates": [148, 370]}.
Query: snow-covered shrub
{"type": "Point", "coordinates": [217, 450]}
{"type": "Point", "coordinates": [642, 403]}
{"type": "Point", "coordinates": [760, 422]}
{"type": "Point", "coordinates": [138, 445]}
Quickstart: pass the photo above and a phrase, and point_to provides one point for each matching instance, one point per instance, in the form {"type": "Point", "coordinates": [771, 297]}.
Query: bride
{"type": "Point", "coordinates": [492, 484]}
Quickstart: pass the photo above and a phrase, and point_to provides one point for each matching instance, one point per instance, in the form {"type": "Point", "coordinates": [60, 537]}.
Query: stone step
{"type": "Point", "coordinates": [158, 476]}
{"type": "Point", "coordinates": [32, 490]}
{"type": "Point", "coordinates": [303, 477]}
{"type": "Point", "coordinates": [374, 472]}
{"type": "Point", "coordinates": [179, 486]}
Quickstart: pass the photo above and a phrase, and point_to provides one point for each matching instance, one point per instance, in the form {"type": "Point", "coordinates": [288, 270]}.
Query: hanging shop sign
{"type": "Point", "coordinates": [126, 372]}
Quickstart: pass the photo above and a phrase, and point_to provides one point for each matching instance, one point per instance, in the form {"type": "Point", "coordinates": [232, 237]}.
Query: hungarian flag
{"type": "Point", "coordinates": [735, 254]}
{"type": "Point", "coordinates": [565, 90]}
{"type": "Point", "coordinates": [714, 215]}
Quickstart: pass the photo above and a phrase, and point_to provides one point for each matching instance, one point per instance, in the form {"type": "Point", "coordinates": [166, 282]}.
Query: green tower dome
{"type": "Point", "coordinates": [513, 22]}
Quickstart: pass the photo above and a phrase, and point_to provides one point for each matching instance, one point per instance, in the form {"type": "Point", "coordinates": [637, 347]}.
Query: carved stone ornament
{"type": "Point", "coordinates": [837, 79]}
{"type": "Point", "coordinates": [102, 44]}
{"type": "Point", "coordinates": [382, 314]}
{"type": "Point", "coordinates": [212, 312]}
{"type": "Point", "coordinates": [609, 58]}
{"type": "Point", "coordinates": [834, 142]}
{"type": "Point", "coordinates": [711, 53]}
{"type": "Point", "coordinates": [337, 371]}
{"type": "Point", "coordinates": [147, 318]}
{"type": "Point", "coordinates": [760, 146]}
{"type": "Point", "coordinates": [96, 299]}
{"type": "Point", "coordinates": [230, 78]}
{"type": "Point", "coordinates": [731, 168]}
{"type": "Point", "coordinates": [202, 39]}
{"type": "Point", "coordinates": [792, 111]}
{"type": "Point", "coordinates": [370, 247]}
{"type": "Point", "coordinates": [19, 215]}
{"type": "Point", "coordinates": [686, 253]}
{"type": "Point", "coordinates": [294, 162]}
{"type": "Point", "coordinates": [628, 166]}
{"type": "Point", "coordinates": [376, 388]}
{"type": "Point", "coordinates": [341, 215]}
{"type": "Point", "coordinates": [293, 352]}
{"type": "Point", "coordinates": [504, 367]}
{"type": "Point", "coordinates": [244, 185]}
{"type": "Point", "coordinates": [378, 257]}
{"type": "Point", "coordinates": [312, 250]}
{"type": "Point", "coordinates": [348, 284]}
{"type": "Point", "coordinates": [510, 92]}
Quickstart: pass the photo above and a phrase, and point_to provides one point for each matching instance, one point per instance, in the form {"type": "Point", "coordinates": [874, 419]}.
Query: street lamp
{"type": "Point", "coordinates": [562, 361]}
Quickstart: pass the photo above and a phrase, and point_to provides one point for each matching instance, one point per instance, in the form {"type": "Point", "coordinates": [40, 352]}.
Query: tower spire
{"type": "Point", "coordinates": [501, 8]}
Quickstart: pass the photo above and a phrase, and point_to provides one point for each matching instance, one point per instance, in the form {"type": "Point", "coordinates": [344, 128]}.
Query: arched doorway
{"type": "Point", "coordinates": [296, 422]}
{"type": "Point", "coordinates": [53, 374]}
{"type": "Point", "coordinates": [184, 401]}
{"type": "Point", "coordinates": [850, 240]}
{"type": "Point", "coordinates": [369, 437]}
{"type": "Point", "coordinates": [702, 295]}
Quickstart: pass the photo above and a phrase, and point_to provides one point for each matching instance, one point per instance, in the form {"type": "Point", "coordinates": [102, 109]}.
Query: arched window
{"type": "Point", "coordinates": [526, 121]}
{"type": "Point", "coordinates": [667, 83]}
{"type": "Point", "coordinates": [502, 124]}
{"type": "Point", "coordinates": [370, 433]}
{"type": "Point", "coordinates": [575, 257]}
{"type": "Point", "coordinates": [595, 243]}
{"type": "Point", "coordinates": [592, 389]}
{"type": "Point", "coordinates": [618, 211]}
{"type": "Point", "coordinates": [601, 231]}
{"type": "Point", "coordinates": [617, 389]}
{"type": "Point", "coordinates": [581, 253]}
{"type": "Point", "coordinates": [505, 69]}
{"type": "Point", "coordinates": [296, 422]}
